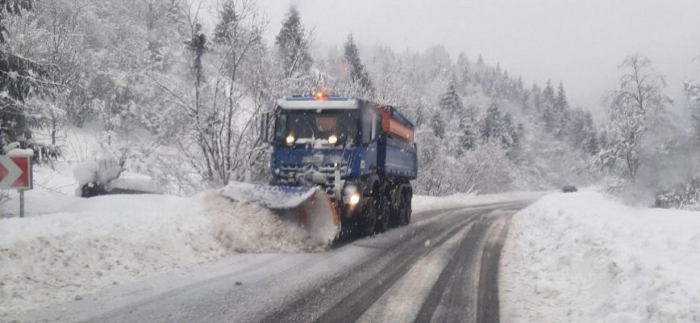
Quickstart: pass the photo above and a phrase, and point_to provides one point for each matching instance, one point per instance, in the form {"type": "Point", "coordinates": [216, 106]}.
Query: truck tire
{"type": "Point", "coordinates": [383, 213]}
{"type": "Point", "coordinates": [406, 208]}
{"type": "Point", "coordinates": [369, 217]}
{"type": "Point", "coordinates": [395, 211]}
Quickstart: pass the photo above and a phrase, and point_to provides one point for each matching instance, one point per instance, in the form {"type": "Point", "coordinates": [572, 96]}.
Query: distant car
{"type": "Point", "coordinates": [569, 189]}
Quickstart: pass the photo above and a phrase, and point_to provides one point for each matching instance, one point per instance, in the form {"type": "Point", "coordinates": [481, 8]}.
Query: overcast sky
{"type": "Point", "coordinates": [580, 43]}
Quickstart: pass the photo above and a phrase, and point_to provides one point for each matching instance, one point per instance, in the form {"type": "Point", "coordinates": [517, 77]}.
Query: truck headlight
{"type": "Point", "coordinates": [352, 195]}
{"type": "Point", "coordinates": [290, 140]}
{"type": "Point", "coordinates": [354, 199]}
{"type": "Point", "coordinates": [332, 140]}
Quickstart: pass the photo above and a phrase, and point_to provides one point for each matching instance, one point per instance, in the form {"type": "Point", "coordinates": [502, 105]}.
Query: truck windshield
{"type": "Point", "coordinates": [308, 125]}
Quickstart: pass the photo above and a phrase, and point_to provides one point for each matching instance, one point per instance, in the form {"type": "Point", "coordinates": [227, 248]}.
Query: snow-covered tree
{"type": "Point", "coordinates": [692, 91]}
{"type": "Point", "coordinates": [492, 126]}
{"type": "Point", "coordinates": [468, 130]}
{"type": "Point", "coordinates": [634, 109]}
{"type": "Point", "coordinates": [437, 124]}
{"type": "Point", "coordinates": [450, 102]}
{"type": "Point", "coordinates": [582, 132]}
{"type": "Point", "coordinates": [293, 42]}
{"type": "Point", "coordinates": [561, 112]}
{"type": "Point", "coordinates": [21, 79]}
{"type": "Point", "coordinates": [549, 113]}
{"type": "Point", "coordinates": [357, 73]}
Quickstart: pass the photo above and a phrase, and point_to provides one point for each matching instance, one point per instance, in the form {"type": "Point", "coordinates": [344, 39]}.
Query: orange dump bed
{"type": "Point", "coordinates": [393, 127]}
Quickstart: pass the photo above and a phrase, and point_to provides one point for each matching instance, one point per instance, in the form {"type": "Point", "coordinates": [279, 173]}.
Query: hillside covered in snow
{"type": "Point", "coordinates": [155, 85]}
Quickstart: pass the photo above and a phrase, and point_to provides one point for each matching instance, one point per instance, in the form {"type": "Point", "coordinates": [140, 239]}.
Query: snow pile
{"type": "Point", "coordinates": [110, 240]}
{"type": "Point", "coordinates": [421, 203]}
{"type": "Point", "coordinates": [581, 258]}
{"type": "Point", "coordinates": [98, 171]}
{"type": "Point", "coordinates": [20, 152]}
{"type": "Point", "coordinates": [243, 227]}
{"type": "Point", "coordinates": [135, 183]}
{"type": "Point", "coordinates": [293, 203]}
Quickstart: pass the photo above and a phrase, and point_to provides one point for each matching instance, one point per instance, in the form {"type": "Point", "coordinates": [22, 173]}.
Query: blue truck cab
{"type": "Point", "coordinates": [340, 144]}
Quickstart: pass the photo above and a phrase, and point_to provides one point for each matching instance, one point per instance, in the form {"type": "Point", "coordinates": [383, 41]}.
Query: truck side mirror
{"type": "Point", "coordinates": [265, 128]}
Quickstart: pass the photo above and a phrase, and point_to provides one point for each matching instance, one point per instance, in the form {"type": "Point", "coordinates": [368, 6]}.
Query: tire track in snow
{"type": "Point", "coordinates": [453, 297]}
{"type": "Point", "coordinates": [353, 306]}
{"type": "Point", "coordinates": [489, 309]}
{"type": "Point", "coordinates": [403, 301]}
{"type": "Point", "coordinates": [345, 298]}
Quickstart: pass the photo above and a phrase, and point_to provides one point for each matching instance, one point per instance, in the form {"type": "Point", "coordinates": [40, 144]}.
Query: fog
{"type": "Point", "coordinates": [579, 43]}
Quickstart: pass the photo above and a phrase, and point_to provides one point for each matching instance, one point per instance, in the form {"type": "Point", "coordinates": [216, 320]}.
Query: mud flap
{"type": "Point", "coordinates": [310, 207]}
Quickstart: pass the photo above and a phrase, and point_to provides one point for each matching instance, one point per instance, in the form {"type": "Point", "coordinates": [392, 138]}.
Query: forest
{"type": "Point", "coordinates": [174, 89]}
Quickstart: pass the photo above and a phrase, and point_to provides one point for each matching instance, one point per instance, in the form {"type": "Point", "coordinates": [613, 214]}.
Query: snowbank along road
{"type": "Point", "coordinates": [441, 268]}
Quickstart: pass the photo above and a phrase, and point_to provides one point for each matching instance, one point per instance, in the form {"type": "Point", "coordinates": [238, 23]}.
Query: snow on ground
{"type": "Point", "coordinates": [108, 240]}
{"type": "Point", "coordinates": [422, 203]}
{"type": "Point", "coordinates": [582, 258]}
{"type": "Point", "coordinates": [54, 188]}
{"type": "Point", "coordinates": [54, 185]}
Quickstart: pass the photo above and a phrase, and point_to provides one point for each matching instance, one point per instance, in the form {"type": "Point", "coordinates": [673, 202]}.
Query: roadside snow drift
{"type": "Point", "coordinates": [110, 240]}
{"type": "Point", "coordinates": [424, 203]}
{"type": "Point", "coordinates": [582, 258]}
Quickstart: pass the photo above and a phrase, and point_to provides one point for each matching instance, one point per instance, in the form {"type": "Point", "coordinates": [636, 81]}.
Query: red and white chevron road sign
{"type": "Point", "coordinates": [15, 172]}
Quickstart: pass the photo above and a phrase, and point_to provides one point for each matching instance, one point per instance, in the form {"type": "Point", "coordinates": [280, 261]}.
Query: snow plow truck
{"type": "Point", "coordinates": [338, 165]}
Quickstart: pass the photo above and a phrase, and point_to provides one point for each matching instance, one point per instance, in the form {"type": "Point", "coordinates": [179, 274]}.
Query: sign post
{"type": "Point", "coordinates": [21, 204]}
{"type": "Point", "coordinates": [16, 173]}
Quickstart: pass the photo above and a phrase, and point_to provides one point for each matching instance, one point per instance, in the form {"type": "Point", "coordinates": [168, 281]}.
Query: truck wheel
{"type": "Point", "coordinates": [405, 209]}
{"type": "Point", "coordinates": [396, 213]}
{"type": "Point", "coordinates": [369, 217]}
{"type": "Point", "coordinates": [382, 214]}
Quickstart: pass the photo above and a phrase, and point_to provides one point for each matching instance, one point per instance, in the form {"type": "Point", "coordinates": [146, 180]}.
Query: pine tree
{"type": "Point", "coordinates": [511, 137]}
{"type": "Point", "coordinates": [450, 102]}
{"type": "Point", "coordinates": [437, 124]}
{"type": "Point", "coordinates": [560, 113]}
{"type": "Point", "coordinates": [238, 36]}
{"type": "Point", "coordinates": [468, 133]}
{"type": "Point", "coordinates": [548, 92]}
{"type": "Point", "coordinates": [358, 73]}
{"type": "Point", "coordinates": [462, 67]}
{"type": "Point", "coordinates": [492, 126]}
{"type": "Point", "coordinates": [227, 18]}
{"type": "Point", "coordinates": [592, 147]}
{"type": "Point", "coordinates": [293, 45]}
{"type": "Point", "coordinates": [12, 7]}
{"type": "Point", "coordinates": [20, 79]}
{"type": "Point", "coordinates": [549, 115]}
{"type": "Point", "coordinates": [519, 84]}
{"type": "Point", "coordinates": [561, 103]}
{"type": "Point", "coordinates": [536, 95]}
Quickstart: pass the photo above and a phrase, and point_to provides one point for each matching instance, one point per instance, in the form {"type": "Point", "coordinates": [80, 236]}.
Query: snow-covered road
{"type": "Point", "coordinates": [441, 268]}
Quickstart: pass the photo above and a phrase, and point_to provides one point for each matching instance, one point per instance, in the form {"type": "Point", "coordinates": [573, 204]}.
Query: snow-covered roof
{"type": "Point", "coordinates": [311, 104]}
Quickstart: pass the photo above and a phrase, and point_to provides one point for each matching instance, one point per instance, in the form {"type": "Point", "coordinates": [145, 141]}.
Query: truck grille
{"type": "Point", "coordinates": [298, 175]}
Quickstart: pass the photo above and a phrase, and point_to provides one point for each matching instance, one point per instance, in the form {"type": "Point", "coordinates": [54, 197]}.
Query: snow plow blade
{"type": "Point", "coordinates": [309, 206]}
